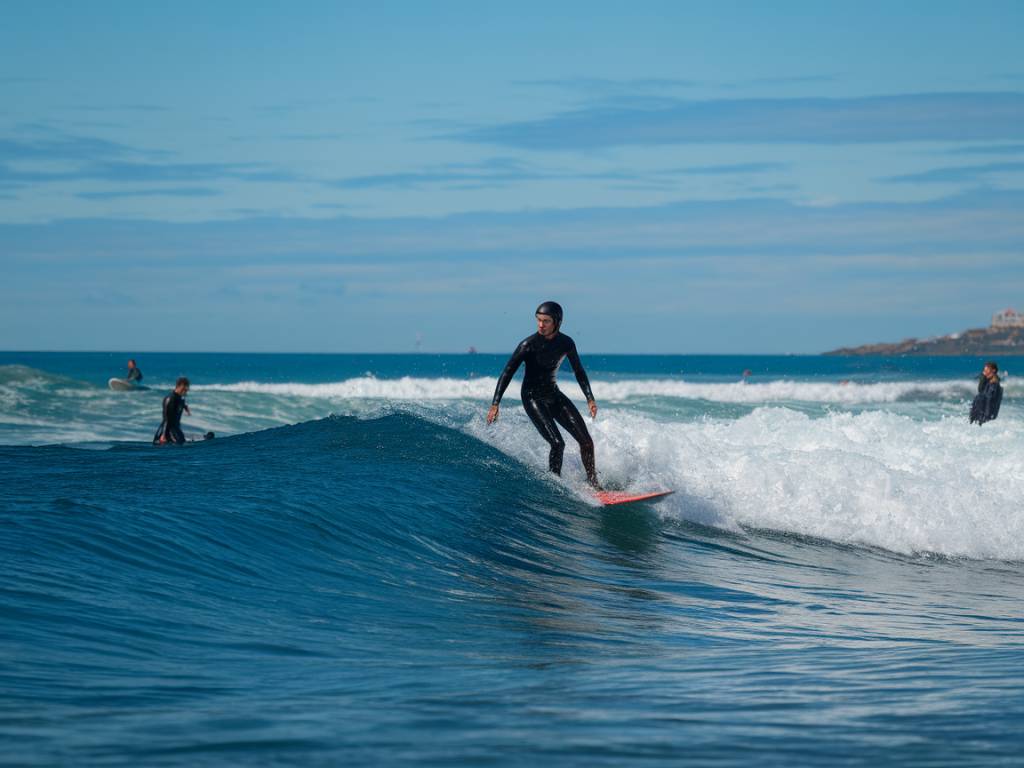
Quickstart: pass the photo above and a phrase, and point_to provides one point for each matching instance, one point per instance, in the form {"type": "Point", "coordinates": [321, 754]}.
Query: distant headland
{"type": "Point", "coordinates": [1005, 336]}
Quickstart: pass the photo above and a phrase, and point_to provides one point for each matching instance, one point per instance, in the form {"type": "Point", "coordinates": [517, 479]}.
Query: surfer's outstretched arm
{"type": "Point", "coordinates": [581, 377]}
{"type": "Point", "coordinates": [505, 378]}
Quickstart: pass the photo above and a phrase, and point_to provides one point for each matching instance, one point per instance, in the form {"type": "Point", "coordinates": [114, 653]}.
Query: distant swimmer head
{"type": "Point", "coordinates": [553, 310]}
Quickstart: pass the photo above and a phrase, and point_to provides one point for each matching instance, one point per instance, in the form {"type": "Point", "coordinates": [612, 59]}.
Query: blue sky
{"type": "Point", "coordinates": [684, 177]}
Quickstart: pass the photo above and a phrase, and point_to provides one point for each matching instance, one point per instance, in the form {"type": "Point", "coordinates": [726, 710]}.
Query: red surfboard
{"type": "Point", "coordinates": [625, 497]}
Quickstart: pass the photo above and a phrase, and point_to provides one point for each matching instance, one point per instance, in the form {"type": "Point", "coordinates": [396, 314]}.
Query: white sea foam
{"type": "Point", "coordinates": [421, 389]}
{"type": "Point", "coordinates": [406, 388]}
{"type": "Point", "coordinates": [874, 478]}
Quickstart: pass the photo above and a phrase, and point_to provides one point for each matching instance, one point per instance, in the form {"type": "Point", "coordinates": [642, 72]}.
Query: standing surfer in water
{"type": "Point", "coordinates": [990, 395]}
{"type": "Point", "coordinates": [169, 430]}
{"type": "Point", "coordinates": [544, 402]}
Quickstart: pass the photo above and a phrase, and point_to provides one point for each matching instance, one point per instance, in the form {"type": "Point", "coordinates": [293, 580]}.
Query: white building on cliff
{"type": "Point", "coordinates": [1008, 318]}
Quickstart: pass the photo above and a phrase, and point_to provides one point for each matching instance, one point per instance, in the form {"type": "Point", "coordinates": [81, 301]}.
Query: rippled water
{"type": "Point", "coordinates": [837, 580]}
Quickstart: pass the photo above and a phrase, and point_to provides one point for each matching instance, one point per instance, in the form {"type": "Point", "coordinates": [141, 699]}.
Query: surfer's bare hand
{"type": "Point", "coordinates": [593, 408]}
{"type": "Point", "coordinates": [492, 414]}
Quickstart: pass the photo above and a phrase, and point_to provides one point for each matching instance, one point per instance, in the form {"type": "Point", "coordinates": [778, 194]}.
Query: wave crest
{"type": "Point", "coordinates": [420, 389]}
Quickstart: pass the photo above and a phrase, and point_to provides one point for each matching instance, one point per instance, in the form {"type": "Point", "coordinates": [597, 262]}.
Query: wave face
{"type": "Point", "coordinates": [358, 571]}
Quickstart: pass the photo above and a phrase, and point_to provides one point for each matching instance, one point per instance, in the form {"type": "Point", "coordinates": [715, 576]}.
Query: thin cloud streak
{"type": "Point", "coordinates": [503, 171]}
{"type": "Point", "coordinates": [126, 172]}
{"type": "Point", "coordinates": [606, 86]}
{"type": "Point", "coordinates": [997, 149]}
{"type": "Point", "coordinates": [729, 169]}
{"type": "Point", "coordinates": [74, 148]}
{"type": "Point", "coordinates": [874, 119]}
{"type": "Point", "coordinates": [130, 193]}
{"type": "Point", "coordinates": [117, 108]}
{"type": "Point", "coordinates": [957, 174]}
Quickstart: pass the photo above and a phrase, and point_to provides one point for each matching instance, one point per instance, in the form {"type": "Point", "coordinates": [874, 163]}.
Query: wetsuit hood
{"type": "Point", "coordinates": [553, 310]}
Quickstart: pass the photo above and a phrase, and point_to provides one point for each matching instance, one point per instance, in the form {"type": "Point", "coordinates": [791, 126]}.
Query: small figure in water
{"type": "Point", "coordinates": [134, 373]}
{"type": "Point", "coordinates": [170, 428]}
{"type": "Point", "coordinates": [544, 402]}
{"type": "Point", "coordinates": [990, 395]}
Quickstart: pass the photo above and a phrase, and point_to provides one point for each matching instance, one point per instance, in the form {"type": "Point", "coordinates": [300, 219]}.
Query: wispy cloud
{"type": "Point", "coordinates": [988, 149]}
{"type": "Point", "coordinates": [728, 169]}
{"type": "Point", "coordinates": [601, 88]}
{"type": "Point", "coordinates": [150, 172]}
{"type": "Point", "coordinates": [61, 148]}
{"type": "Point", "coordinates": [128, 172]}
{"type": "Point", "coordinates": [293, 106]}
{"type": "Point", "coordinates": [900, 118]}
{"type": "Point", "coordinates": [494, 172]}
{"type": "Point", "coordinates": [117, 108]}
{"type": "Point", "coordinates": [504, 171]}
{"type": "Point", "coordinates": [314, 136]}
{"type": "Point", "coordinates": [56, 157]}
{"type": "Point", "coordinates": [784, 80]}
{"type": "Point", "coordinates": [605, 86]}
{"type": "Point", "coordinates": [169, 192]}
{"type": "Point", "coordinates": [772, 189]}
{"type": "Point", "coordinates": [957, 174]}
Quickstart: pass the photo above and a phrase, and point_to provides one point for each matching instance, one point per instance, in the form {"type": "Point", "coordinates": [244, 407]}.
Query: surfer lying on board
{"type": "Point", "coordinates": [169, 430]}
{"type": "Point", "coordinates": [544, 402]}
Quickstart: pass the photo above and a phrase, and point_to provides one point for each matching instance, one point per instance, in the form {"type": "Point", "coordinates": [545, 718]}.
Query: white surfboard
{"type": "Point", "coordinates": [123, 385]}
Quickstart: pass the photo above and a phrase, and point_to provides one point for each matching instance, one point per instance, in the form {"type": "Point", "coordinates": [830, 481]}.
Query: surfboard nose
{"type": "Point", "coordinates": [609, 498]}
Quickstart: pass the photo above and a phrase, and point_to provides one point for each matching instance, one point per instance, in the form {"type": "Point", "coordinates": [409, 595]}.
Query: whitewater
{"type": "Point", "coordinates": [358, 561]}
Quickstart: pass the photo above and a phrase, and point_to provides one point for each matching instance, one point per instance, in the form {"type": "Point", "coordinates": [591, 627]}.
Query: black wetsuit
{"type": "Point", "coordinates": [170, 427]}
{"type": "Point", "coordinates": [544, 402]}
{"type": "Point", "coordinates": [986, 404]}
{"type": "Point", "coordinates": [134, 375]}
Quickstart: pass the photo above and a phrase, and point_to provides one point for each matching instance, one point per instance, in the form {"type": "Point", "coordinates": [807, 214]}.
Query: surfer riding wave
{"type": "Point", "coordinates": [545, 404]}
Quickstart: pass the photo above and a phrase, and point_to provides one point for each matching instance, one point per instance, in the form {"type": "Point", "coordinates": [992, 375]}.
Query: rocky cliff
{"type": "Point", "coordinates": [981, 342]}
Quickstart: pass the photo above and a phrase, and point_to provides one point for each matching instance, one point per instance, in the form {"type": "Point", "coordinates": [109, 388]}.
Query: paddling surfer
{"type": "Point", "coordinates": [545, 403]}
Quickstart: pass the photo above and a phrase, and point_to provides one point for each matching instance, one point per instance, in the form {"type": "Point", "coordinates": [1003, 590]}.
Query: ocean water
{"type": "Point", "coordinates": [358, 571]}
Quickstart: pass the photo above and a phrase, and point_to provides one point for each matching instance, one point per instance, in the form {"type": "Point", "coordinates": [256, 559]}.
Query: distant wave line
{"type": "Point", "coordinates": [418, 389]}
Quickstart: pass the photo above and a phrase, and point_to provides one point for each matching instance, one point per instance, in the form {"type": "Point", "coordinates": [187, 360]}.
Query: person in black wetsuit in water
{"type": "Point", "coordinates": [990, 395]}
{"type": "Point", "coordinates": [544, 402]}
{"type": "Point", "coordinates": [169, 430]}
{"type": "Point", "coordinates": [134, 374]}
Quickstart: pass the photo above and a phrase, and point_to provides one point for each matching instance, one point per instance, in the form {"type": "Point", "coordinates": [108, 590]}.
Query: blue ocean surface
{"type": "Point", "coordinates": [358, 571]}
